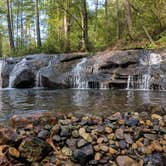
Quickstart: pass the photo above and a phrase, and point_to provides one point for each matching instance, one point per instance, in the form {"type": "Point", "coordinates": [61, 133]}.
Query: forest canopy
{"type": "Point", "coordinates": [53, 26]}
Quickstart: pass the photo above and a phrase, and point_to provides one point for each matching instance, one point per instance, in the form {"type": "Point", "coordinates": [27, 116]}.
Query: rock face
{"type": "Point", "coordinates": [132, 69]}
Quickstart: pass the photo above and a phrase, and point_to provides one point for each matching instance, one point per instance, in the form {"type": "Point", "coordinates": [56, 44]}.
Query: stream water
{"type": "Point", "coordinates": [29, 101]}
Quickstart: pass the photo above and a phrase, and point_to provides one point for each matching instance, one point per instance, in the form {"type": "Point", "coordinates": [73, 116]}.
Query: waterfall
{"type": "Point", "coordinates": [38, 82]}
{"type": "Point", "coordinates": [15, 70]}
{"type": "Point", "coordinates": [130, 82]}
{"type": "Point", "coordinates": [1, 72]}
{"type": "Point", "coordinates": [151, 61]}
{"type": "Point", "coordinates": [104, 85]}
{"type": "Point", "coordinates": [79, 75]}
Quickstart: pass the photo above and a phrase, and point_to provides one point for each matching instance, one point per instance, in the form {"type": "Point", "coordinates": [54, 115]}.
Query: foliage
{"type": "Point", "coordinates": [148, 18]}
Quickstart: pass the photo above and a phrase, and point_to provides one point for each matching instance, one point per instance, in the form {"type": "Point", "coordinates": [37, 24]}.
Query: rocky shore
{"type": "Point", "coordinates": [56, 139]}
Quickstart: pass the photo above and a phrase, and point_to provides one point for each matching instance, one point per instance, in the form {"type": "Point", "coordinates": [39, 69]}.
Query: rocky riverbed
{"type": "Point", "coordinates": [120, 139]}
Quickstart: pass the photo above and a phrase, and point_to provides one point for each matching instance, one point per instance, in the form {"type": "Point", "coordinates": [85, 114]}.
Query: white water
{"type": "Point", "coordinates": [1, 72]}
{"type": "Point", "coordinates": [144, 82]}
{"type": "Point", "coordinates": [79, 73]}
{"type": "Point", "coordinates": [15, 70]}
{"type": "Point", "coordinates": [38, 82]}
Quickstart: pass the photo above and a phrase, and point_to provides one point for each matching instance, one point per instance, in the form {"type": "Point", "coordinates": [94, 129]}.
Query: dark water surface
{"type": "Point", "coordinates": [29, 101]}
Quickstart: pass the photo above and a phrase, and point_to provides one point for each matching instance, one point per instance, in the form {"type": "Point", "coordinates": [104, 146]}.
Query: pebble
{"type": "Point", "coordinates": [156, 116]}
{"type": "Point", "coordinates": [119, 134]}
{"type": "Point", "coordinates": [98, 156]}
{"type": "Point", "coordinates": [66, 151]}
{"type": "Point", "coordinates": [14, 152]}
{"type": "Point", "coordinates": [85, 135]}
{"type": "Point", "coordinates": [108, 130]}
{"type": "Point", "coordinates": [125, 161]}
{"type": "Point", "coordinates": [81, 143]}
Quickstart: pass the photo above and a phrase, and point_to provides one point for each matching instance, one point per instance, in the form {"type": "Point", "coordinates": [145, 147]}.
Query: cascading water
{"type": "Point", "coordinates": [143, 82]}
{"type": "Point", "coordinates": [79, 75]}
{"type": "Point", "coordinates": [38, 82]}
{"type": "Point", "coordinates": [1, 71]}
{"type": "Point", "coordinates": [16, 68]}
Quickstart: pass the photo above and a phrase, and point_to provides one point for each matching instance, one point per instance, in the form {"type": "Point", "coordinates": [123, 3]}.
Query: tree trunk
{"type": "Point", "coordinates": [84, 23]}
{"type": "Point", "coordinates": [0, 45]}
{"type": "Point", "coordinates": [37, 24]}
{"type": "Point", "coordinates": [11, 39]}
{"type": "Point", "coordinates": [96, 20]}
{"type": "Point", "coordinates": [107, 36]}
{"type": "Point", "coordinates": [128, 17]}
{"type": "Point", "coordinates": [117, 21]}
{"type": "Point", "coordinates": [67, 25]}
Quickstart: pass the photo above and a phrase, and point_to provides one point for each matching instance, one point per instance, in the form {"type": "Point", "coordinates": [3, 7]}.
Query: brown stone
{"type": "Point", "coordinates": [98, 156]}
{"type": "Point", "coordinates": [108, 130]}
{"type": "Point", "coordinates": [119, 134]}
{"type": "Point", "coordinates": [14, 152]}
{"type": "Point", "coordinates": [125, 161]}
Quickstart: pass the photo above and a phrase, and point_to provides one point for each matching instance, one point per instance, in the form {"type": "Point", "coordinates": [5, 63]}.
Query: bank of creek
{"type": "Point", "coordinates": [78, 110]}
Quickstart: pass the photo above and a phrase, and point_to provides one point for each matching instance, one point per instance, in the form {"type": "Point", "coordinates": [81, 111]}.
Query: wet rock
{"type": "Point", "coordinates": [128, 138]}
{"type": "Point", "coordinates": [163, 130]}
{"type": "Point", "coordinates": [81, 143]}
{"type": "Point", "coordinates": [115, 116]}
{"type": "Point", "coordinates": [119, 133]}
{"type": "Point", "coordinates": [150, 136]}
{"type": "Point", "coordinates": [7, 136]}
{"type": "Point", "coordinates": [56, 129]}
{"type": "Point", "coordinates": [67, 151]}
{"type": "Point", "coordinates": [56, 138]}
{"type": "Point", "coordinates": [14, 152]}
{"type": "Point", "coordinates": [98, 156]}
{"type": "Point", "coordinates": [104, 148]}
{"type": "Point", "coordinates": [43, 134]}
{"type": "Point", "coordinates": [65, 131]}
{"type": "Point", "coordinates": [156, 116]}
{"type": "Point", "coordinates": [112, 151]}
{"type": "Point", "coordinates": [122, 144]}
{"type": "Point", "coordinates": [108, 130]}
{"type": "Point", "coordinates": [34, 149]}
{"type": "Point", "coordinates": [71, 143]}
{"type": "Point", "coordinates": [65, 122]}
{"type": "Point", "coordinates": [84, 155]}
{"type": "Point", "coordinates": [131, 122]}
{"type": "Point", "coordinates": [75, 134]}
{"type": "Point", "coordinates": [154, 159]}
{"type": "Point", "coordinates": [85, 135]}
{"type": "Point", "coordinates": [125, 161]}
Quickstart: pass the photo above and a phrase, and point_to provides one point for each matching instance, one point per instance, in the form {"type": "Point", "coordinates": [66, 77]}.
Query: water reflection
{"type": "Point", "coordinates": [25, 102]}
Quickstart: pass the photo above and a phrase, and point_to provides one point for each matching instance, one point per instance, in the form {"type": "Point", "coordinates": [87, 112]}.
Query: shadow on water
{"type": "Point", "coordinates": [29, 101]}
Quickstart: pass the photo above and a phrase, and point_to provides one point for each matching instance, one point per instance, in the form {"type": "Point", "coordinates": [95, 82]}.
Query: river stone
{"type": "Point", "coordinates": [7, 136]}
{"type": "Point", "coordinates": [81, 143]}
{"type": "Point", "coordinates": [14, 152]}
{"type": "Point", "coordinates": [108, 130]}
{"type": "Point", "coordinates": [128, 138]}
{"type": "Point", "coordinates": [104, 148]}
{"type": "Point", "coordinates": [98, 156]}
{"type": "Point", "coordinates": [163, 130]}
{"type": "Point", "coordinates": [34, 149]}
{"type": "Point", "coordinates": [64, 131]}
{"type": "Point", "coordinates": [119, 134]}
{"type": "Point", "coordinates": [125, 161]}
{"type": "Point", "coordinates": [67, 151]}
{"type": "Point", "coordinates": [156, 116]}
{"type": "Point", "coordinates": [43, 134]}
{"type": "Point", "coordinates": [56, 138]}
{"type": "Point", "coordinates": [75, 134]}
{"type": "Point", "coordinates": [112, 151]}
{"type": "Point", "coordinates": [85, 135]}
{"type": "Point", "coordinates": [71, 143]}
{"type": "Point", "coordinates": [84, 155]}
{"type": "Point", "coordinates": [122, 144]}
{"type": "Point", "coordinates": [131, 122]}
{"type": "Point", "coordinates": [151, 136]}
